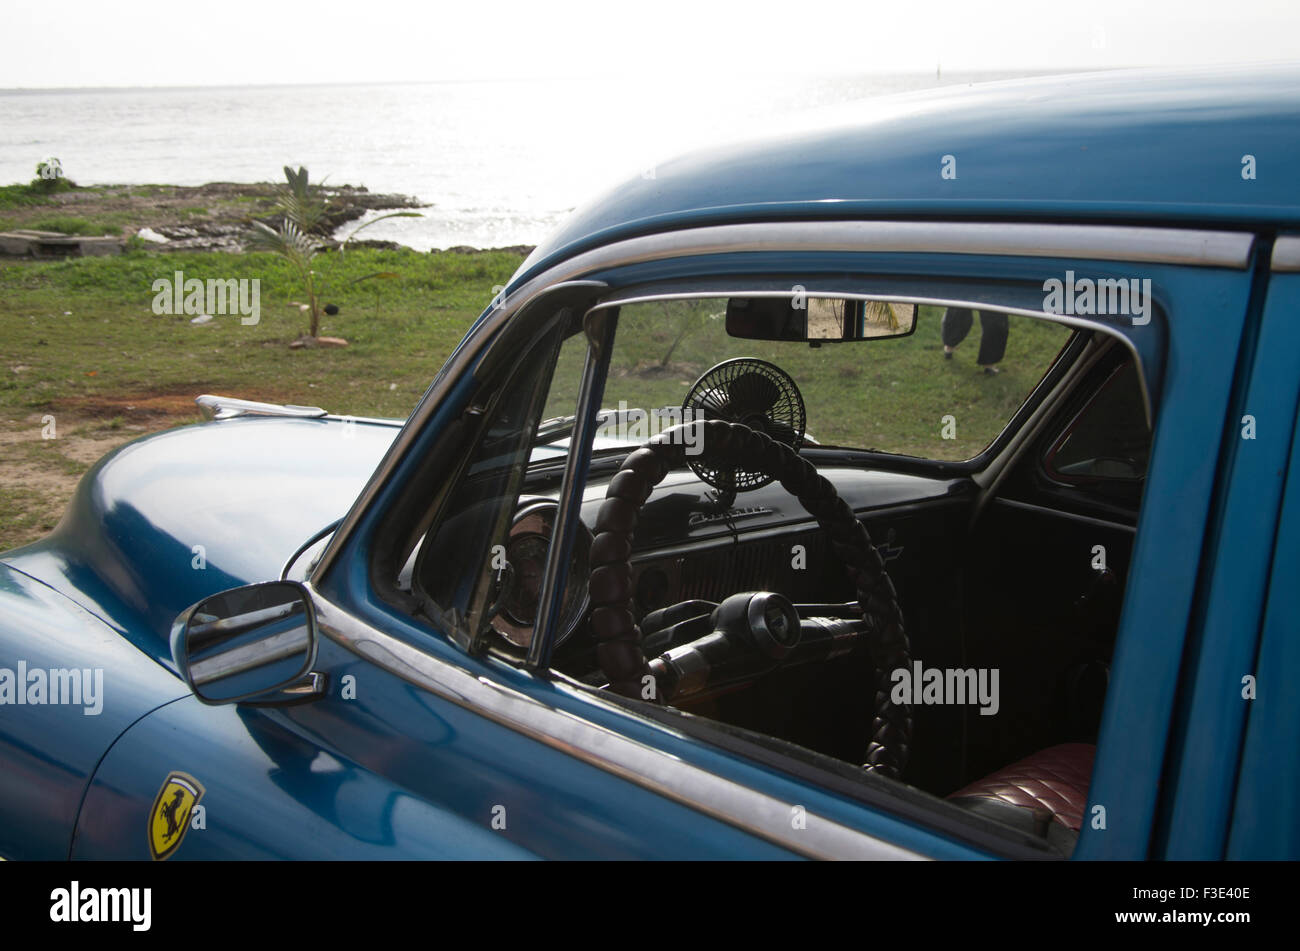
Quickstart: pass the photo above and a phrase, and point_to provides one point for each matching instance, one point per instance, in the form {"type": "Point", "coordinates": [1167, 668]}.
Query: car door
{"type": "Point", "coordinates": [1189, 344]}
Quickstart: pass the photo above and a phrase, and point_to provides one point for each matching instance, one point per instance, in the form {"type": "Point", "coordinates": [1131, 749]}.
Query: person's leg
{"type": "Point", "coordinates": [993, 339]}
{"type": "Point", "coordinates": [956, 325]}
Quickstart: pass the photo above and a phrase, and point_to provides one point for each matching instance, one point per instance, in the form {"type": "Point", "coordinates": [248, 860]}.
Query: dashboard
{"type": "Point", "coordinates": [687, 546]}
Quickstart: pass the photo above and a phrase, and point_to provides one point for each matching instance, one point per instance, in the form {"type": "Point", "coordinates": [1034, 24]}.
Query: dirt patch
{"type": "Point", "coordinates": [40, 466]}
{"type": "Point", "coordinates": [140, 409]}
{"type": "Point", "coordinates": [38, 476]}
{"type": "Point", "coordinates": [156, 409]}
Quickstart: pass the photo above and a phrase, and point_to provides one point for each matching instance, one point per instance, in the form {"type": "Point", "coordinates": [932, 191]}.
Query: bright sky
{"type": "Point", "coordinates": [236, 42]}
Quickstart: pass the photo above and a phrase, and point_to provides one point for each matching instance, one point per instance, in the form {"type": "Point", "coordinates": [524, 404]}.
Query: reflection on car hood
{"type": "Point", "coordinates": [163, 521]}
{"type": "Point", "coordinates": [560, 448]}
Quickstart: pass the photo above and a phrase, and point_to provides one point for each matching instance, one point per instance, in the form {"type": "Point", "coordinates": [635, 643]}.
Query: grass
{"type": "Point", "coordinates": [84, 328]}
{"type": "Point", "coordinates": [20, 196]}
{"type": "Point", "coordinates": [68, 224]}
{"type": "Point", "coordinates": [26, 514]}
{"type": "Point", "coordinates": [45, 453]}
{"type": "Point", "coordinates": [892, 395]}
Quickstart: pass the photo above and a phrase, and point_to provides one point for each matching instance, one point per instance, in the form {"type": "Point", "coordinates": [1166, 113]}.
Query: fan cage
{"type": "Point", "coordinates": [756, 394]}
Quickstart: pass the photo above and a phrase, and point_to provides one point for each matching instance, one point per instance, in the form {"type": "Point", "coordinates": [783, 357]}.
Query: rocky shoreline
{"type": "Point", "coordinates": [230, 207]}
{"type": "Point", "coordinates": [211, 217]}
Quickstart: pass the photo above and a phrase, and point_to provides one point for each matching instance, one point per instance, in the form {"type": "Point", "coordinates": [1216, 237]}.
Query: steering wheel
{"type": "Point", "coordinates": [724, 444]}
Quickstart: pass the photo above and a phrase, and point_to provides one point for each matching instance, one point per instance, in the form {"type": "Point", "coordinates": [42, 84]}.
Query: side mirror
{"type": "Point", "coordinates": [256, 643]}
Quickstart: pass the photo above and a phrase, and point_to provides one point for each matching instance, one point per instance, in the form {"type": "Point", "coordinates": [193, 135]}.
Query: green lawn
{"type": "Point", "coordinates": [81, 346]}
{"type": "Point", "coordinates": [77, 330]}
{"type": "Point", "coordinates": [890, 395]}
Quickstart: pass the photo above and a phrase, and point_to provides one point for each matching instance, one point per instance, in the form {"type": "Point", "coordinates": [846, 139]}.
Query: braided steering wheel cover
{"type": "Point", "coordinates": [618, 639]}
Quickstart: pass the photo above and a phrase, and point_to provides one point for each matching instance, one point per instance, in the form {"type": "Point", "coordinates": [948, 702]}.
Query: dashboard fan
{"type": "Point", "coordinates": [758, 394]}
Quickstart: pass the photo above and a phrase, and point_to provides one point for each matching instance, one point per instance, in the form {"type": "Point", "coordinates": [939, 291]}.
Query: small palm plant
{"type": "Point", "coordinates": [881, 313]}
{"type": "Point", "coordinates": [302, 234]}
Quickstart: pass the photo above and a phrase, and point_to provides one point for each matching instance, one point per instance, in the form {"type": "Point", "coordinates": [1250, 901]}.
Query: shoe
{"type": "Point", "coordinates": [991, 371]}
{"type": "Point", "coordinates": [947, 354]}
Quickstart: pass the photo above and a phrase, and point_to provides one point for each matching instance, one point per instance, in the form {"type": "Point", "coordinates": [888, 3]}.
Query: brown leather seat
{"type": "Point", "coordinates": [1055, 779]}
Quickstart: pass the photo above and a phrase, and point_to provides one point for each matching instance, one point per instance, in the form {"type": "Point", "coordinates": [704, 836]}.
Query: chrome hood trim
{"type": "Point", "coordinates": [229, 407]}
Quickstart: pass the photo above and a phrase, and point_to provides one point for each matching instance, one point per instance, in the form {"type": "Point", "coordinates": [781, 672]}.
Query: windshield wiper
{"type": "Point", "coordinates": [561, 427]}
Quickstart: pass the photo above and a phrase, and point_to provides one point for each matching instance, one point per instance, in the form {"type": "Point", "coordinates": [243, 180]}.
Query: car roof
{"type": "Point", "coordinates": [1138, 146]}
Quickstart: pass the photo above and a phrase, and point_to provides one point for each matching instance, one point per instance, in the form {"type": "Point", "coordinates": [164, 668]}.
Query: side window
{"type": "Point", "coordinates": [1109, 439]}
{"type": "Point", "coordinates": [462, 572]}
{"type": "Point", "coordinates": [943, 393]}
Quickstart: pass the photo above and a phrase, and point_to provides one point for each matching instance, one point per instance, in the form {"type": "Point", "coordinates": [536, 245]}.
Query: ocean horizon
{"type": "Point", "coordinates": [498, 162]}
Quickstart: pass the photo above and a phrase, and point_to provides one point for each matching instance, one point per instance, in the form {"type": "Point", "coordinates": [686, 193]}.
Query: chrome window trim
{"type": "Point", "coordinates": [747, 809]}
{"type": "Point", "coordinates": [1198, 248]}
{"type": "Point", "coordinates": [1286, 254]}
{"type": "Point", "coordinates": [568, 518]}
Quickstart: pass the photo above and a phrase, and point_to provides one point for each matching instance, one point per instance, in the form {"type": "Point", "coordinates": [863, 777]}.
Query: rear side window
{"type": "Point", "coordinates": [1109, 439]}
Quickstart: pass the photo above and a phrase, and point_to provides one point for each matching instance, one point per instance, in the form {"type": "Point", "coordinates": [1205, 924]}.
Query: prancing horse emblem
{"type": "Point", "coordinates": [169, 819]}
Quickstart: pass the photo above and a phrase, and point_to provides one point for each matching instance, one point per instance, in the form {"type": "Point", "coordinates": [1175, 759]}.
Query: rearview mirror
{"type": "Point", "coordinates": [818, 319]}
{"type": "Point", "coordinates": [250, 642]}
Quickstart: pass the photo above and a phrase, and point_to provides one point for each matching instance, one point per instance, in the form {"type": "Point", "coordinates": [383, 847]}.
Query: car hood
{"type": "Point", "coordinates": [161, 522]}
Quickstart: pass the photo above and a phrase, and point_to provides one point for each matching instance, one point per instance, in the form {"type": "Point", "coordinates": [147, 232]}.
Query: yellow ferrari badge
{"type": "Point", "coordinates": [169, 819]}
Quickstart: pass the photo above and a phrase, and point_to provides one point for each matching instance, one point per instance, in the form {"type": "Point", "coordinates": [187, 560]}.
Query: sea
{"type": "Point", "coordinates": [496, 163]}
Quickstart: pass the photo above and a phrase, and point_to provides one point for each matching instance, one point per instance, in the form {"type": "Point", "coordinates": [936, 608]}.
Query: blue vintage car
{"type": "Point", "coordinates": [727, 533]}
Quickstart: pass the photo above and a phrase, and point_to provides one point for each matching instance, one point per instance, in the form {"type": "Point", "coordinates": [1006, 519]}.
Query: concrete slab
{"type": "Point", "coordinates": [25, 242]}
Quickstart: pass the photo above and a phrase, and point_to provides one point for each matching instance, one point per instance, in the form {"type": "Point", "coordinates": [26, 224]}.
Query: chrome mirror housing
{"type": "Point", "coordinates": [251, 644]}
